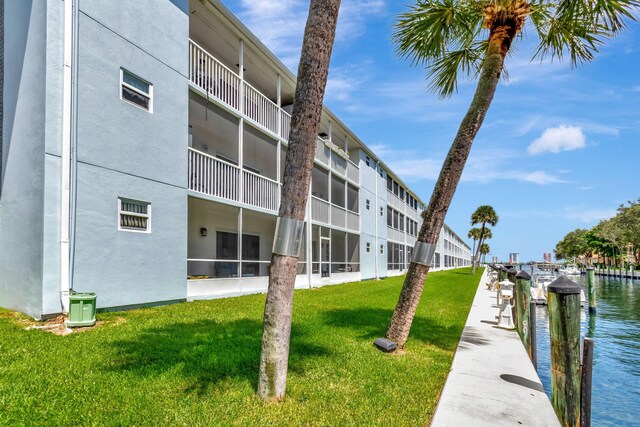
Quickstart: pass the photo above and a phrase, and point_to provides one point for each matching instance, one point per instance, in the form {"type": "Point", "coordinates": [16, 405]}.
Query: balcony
{"type": "Point", "coordinates": [225, 86]}
{"type": "Point", "coordinates": [324, 212]}
{"type": "Point", "coordinates": [218, 178]}
{"type": "Point", "coordinates": [221, 179]}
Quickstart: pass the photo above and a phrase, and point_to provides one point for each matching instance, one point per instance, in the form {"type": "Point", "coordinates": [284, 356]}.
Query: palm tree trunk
{"type": "Point", "coordinates": [305, 120]}
{"type": "Point", "coordinates": [477, 253]}
{"type": "Point", "coordinates": [499, 43]}
{"type": "Point", "coordinates": [473, 251]}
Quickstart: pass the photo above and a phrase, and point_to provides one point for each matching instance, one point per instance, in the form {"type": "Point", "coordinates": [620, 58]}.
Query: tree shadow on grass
{"type": "Point", "coordinates": [205, 352]}
{"type": "Point", "coordinates": [372, 323]}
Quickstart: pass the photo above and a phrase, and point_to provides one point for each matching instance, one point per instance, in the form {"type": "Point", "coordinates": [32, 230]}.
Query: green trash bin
{"type": "Point", "coordinates": [82, 309]}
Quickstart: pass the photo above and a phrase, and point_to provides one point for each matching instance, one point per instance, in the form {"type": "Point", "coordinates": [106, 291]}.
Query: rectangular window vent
{"type": "Point", "coordinates": [134, 215]}
{"type": "Point", "coordinates": [136, 91]}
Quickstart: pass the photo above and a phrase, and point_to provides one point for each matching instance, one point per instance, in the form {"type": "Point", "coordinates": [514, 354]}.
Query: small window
{"type": "Point", "coordinates": [136, 91]}
{"type": "Point", "coordinates": [134, 215]}
{"type": "Point", "coordinates": [381, 249]}
{"type": "Point", "coordinates": [368, 204]}
{"type": "Point", "coordinates": [381, 173]}
{"type": "Point", "coordinates": [368, 247]}
{"type": "Point", "coordinates": [381, 211]}
{"type": "Point", "coordinates": [367, 160]}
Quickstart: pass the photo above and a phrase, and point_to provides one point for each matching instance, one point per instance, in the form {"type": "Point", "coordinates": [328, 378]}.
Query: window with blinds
{"type": "Point", "coordinates": [134, 215]}
{"type": "Point", "coordinates": [136, 90]}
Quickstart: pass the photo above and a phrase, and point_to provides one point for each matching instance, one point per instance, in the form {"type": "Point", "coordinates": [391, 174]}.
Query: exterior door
{"type": "Point", "coordinates": [325, 257]}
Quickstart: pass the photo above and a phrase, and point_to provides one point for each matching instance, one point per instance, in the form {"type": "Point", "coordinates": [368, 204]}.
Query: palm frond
{"type": "Point", "coordinates": [441, 35]}
{"type": "Point", "coordinates": [578, 27]}
{"type": "Point", "coordinates": [443, 71]}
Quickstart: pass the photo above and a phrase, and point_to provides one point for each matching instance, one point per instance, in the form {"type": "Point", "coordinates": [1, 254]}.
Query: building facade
{"type": "Point", "coordinates": [143, 148]}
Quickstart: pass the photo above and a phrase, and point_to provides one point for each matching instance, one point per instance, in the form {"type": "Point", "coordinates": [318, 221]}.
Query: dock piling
{"type": "Point", "coordinates": [523, 298]}
{"type": "Point", "coordinates": [591, 289]}
{"type": "Point", "coordinates": [533, 343]}
{"type": "Point", "coordinates": [585, 382]}
{"type": "Point", "coordinates": [564, 327]}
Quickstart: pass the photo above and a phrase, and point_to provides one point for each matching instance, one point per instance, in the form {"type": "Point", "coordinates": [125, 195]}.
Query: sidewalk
{"type": "Point", "coordinates": [492, 381]}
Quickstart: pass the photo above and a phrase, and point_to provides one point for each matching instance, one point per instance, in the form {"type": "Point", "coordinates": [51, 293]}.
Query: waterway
{"type": "Point", "coordinates": [615, 329]}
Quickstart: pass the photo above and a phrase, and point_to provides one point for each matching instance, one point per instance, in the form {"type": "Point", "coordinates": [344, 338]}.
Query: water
{"type": "Point", "coordinates": [615, 329]}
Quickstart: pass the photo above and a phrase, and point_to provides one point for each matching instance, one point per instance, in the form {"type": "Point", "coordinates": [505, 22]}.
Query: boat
{"type": "Point", "coordinates": [570, 270]}
{"type": "Point", "coordinates": [539, 287]}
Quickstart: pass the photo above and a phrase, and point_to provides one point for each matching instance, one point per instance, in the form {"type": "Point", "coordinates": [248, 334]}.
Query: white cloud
{"type": "Point", "coordinates": [540, 178]}
{"type": "Point", "coordinates": [555, 140]}
{"type": "Point", "coordinates": [589, 216]}
{"type": "Point", "coordinates": [482, 167]}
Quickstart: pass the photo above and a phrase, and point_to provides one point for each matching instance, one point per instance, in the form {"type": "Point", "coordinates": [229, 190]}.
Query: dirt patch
{"type": "Point", "coordinates": [57, 325]}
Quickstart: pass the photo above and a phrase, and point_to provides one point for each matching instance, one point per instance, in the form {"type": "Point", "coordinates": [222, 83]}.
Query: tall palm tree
{"type": "Point", "coordinates": [473, 37]}
{"type": "Point", "coordinates": [313, 69]}
{"type": "Point", "coordinates": [474, 234]}
{"type": "Point", "coordinates": [484, 215]}
{"type": "Point", "coordinates": [484, 250]}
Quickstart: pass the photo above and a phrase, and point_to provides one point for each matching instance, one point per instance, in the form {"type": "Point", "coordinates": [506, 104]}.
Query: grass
{"type": "Point", "coordinates": [197, 363]}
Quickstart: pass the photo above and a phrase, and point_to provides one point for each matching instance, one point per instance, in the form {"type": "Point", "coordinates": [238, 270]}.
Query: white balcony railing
{"type": "Point", "coordinates": [323, 153]}
{"type": "Point", "coordinates": [338, 216]}
{"type": "Point", "coordinates": [260, 191]}
{"type": "Point", "coordinates": [260, 109]}
{"type": "Point", "coordinates": [212, 176]}
{"type": "Point", "coordinates": [285, 124]}
{"type": "Point", "coordinates": [395, 201]}
{"type": "Point", "coordinates": [320, 210]}
{"type": "Point", "coordinates": [396, 235]}
{"type": "Point", "coordinates": [208, 73]}
{"type": "Point", "coordinates": [215, 177]}
{"type": "Point", "coordinates": [353, 172]}
{"type": "Point", "coordinates": [339, 164]}
{"type": "Point", "coordinates": [353, 221]}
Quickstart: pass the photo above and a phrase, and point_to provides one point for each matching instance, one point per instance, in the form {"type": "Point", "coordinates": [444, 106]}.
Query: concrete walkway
{"type": "Point", "coordinates": [492, 381]}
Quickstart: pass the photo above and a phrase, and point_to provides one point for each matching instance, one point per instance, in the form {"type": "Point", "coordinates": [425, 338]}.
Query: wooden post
{"type": "Point", "coordinates": [533, 339]}
{"type": "Point", "coordinates": [523, 299]}
{"type": "Point", "coordinates": [585, 383]}
{"type": "Point", "coordinates": [591, 289]}
{"type": "Point", "coordinates": [502, 274]}
{"type": "Point", "coordinates": [564, 327]}
{"type": "Point", "coordinates": [511, 276]}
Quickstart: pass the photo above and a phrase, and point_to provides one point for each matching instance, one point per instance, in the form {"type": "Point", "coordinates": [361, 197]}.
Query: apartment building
{"type": "Point", "coordinates": [143, 147]}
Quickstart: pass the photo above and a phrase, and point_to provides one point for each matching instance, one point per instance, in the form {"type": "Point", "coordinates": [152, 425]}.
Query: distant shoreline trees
{"type": "Point", "coordinates": [615, 240]}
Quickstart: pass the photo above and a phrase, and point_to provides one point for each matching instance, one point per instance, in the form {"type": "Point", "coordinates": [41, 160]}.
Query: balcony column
{"type": "Point", "coordinates": [241, 123]}
{"type": "Point", "coordinates": [279, 144]}
{"type": "Point", "coordinates": [346, 204]}
{"type": "Point", "coordinates": [240, 212]}
{"type": "Point", "coordinates": [330, 192]}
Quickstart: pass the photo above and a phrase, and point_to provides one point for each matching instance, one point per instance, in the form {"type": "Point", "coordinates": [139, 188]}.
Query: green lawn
{"type": "Point", "coordinates": [197, 363]}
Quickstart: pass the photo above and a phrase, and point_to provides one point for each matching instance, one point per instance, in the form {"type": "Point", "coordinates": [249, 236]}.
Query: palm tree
{"type": "Point", "coordinates": [474, 234]}
{"type": "Point", "coordinates": [313, 69]}
{"type": "Point", "coordinates": [484, 215]}
{"type": "Point", "coordinates": [473, 37]}
{"type": "Point", "coordinates": [484, 250]}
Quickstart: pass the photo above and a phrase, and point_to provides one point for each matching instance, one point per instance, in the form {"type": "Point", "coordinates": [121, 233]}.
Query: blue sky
{"type": "Point", "coordinates": [559, 148]}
